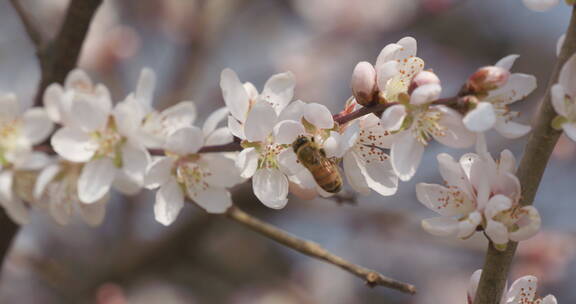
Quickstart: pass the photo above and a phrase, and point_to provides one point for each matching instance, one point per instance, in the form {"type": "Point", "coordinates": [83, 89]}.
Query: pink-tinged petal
{"type": "Point", "coordinates": [388, 53]}
{"type": "Point", "coordinates": [158, 172]}
{"type": "Point", "coordinates": [73, 144]}
{"type": "Point", "coordinates": [247, 162]}
{"type": "Point", "coordinates": [393, 118]}
{"type": "Point", "coordinates": [182, 114]}
{"type": "Point", "coordinates": [384, 73]}
{"type": "Point", "coordinates": [559, 100]}
{"type": "Point", "coordinates": [425, 94]}
{"type": "Point", "coordinates": [236, 127]}
{"type": "Point", "coordinates": [570, 130]}
{"type": "Point", "coordinates": [455, 134]}
{"type": "Point", "coordinates": [52, 100]}
{"type": "Point", "coordinates": [219, 136]}
{"type": "Point", "coordinates": [511, 129]}
{"type": "Point", "coordinates": [294, 111]}
{"type": "Point", "coordinates": [540, 5]}
{"type": "Point", "coordinates": [187, 140]}
{"type": "Point", "coordinates": [214, 119]}
{"type": "Point", "coordinates": [37, 126]}
{"type": "Point", "coordinates": [94, 214]}
{"type": "Point", "coordinates": [406, 154]}
{"type": "Point", "coordinates": [145, 87]}
{"type": "Point", "coordinates": [549, 299]}
{"type": "Point", "coordinates": [213, 200]}
{"type": "Point", "coordinates": [77, 79]}
{"type": "Point", "coordinates": [467, 227]}
{"type": "Point", "coordinates": [89, 114]}
{"type": "Point", "coordinates": [223, 172]}
{"type": "Point", "coordinates": [235, 96]}
{"type": "Point", "coordinates": [353, 168]}
{"type": "Point", "coordinates": [96, 179]}
{"type": "Point", "coordinates": [528, 225]}
{"type": "Point", "coordinates": [169, 202]}
{"type": "Point", "coordinates": [497, 204]}
{"type": "Point", "coordinates": [379, 173]}
{"type": "Point", "coordinates": [44, 178]}
{"type": "Point", "coordinates": [135, 160]}
{"type": "Point", "coordinates": [560, 44]}
{"type": "Point", "coordinates": [507, 162]}
{"type": "Point", "coordinates": [473, 285]}
{"type": "Point", "coordinates": [286, 132]}
{"type": "Point", "coordinates": [523, 290]}
{"type": "Point", "coordinates": [444, 201]}
{"type": "Point", "coordinates": [507, 62]}
{"type": "Point", "coordinates": [279, 90]}
{"type": "Point", "coordinates": [481, 119]}
{"type": "Point", "coordinates": [497, 232]}
{"type": "Point", "coordinates": [271, 187]}
{"type": "Point", "coordinates": [507, 184]}
{"type": "Point", "coordinates": [453, 174]}
{"type": "Point", "coordinates": [319, 116]}
{"type": "Point", "coordinates": [260, 122]}
{"type": "Point", "coordinates": [440, 226]}
{"type": "Point", "coordinates": [517, 88]}
{"type": "Point", "coordinates": [10, 107]}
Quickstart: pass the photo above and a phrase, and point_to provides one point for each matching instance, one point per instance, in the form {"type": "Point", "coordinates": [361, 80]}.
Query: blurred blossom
{"type": "Point", "coordinates": [110, 293]}
{"type": "Point", "coordinates": [564, 149]}
{"type": "Point", "coordinates": [325, 283]}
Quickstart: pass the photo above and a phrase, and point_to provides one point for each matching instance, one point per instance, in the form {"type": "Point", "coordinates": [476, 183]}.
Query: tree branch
{"type": "Point", "coordinates": [32, 31]}
{"type": "Point", "coordinates": [530, 172]}
{"type": "Point", "coordinates": [314, 250]}
{"type": "Point", "coordinates": [61, 55]}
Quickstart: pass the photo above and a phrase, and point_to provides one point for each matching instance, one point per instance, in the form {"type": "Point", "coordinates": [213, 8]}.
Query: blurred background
{"type": "Point", "coordinates": [208, 259]}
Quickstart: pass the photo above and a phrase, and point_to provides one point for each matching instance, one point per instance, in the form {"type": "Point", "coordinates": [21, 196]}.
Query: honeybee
{"type": "Point", "coordinates": [324, 171]}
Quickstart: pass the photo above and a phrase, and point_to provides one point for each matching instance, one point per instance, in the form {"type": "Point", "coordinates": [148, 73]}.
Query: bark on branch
{"type": "Point", "coordinates": [371, 277]}
{"type": "Point", "coordinates": [530, 172]}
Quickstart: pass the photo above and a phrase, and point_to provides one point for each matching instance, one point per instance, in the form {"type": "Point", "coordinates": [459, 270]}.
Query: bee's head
{"type": "Point", "coordinates": [299, 142]}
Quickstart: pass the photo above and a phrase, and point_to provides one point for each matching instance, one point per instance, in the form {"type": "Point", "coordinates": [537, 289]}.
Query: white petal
{"type": "Point", "coordinates": [453, 174]}
{"type": "Point", "coordinates": [78, 79]}
{"type": "Point", "coordinates": [540, 5]}
{"type": "Point", "coordinates": [128, 116]}
{"type": "Point", "coordinates": [126, 184]}
{"type": "Point", "coordinates": [518, 87]}
{"type": "Point", "coordinates": [90, 114]}
{"type": "Point", "coordinates": [560, 44]}
{"type": "Point", "coordinates": [319, 116]}
{"type": "Point", "coordinates": [332, 145]}
{"type": "Point", "coordinates": [441, 200]}
{"type": "Point", "coordinates": [388, 53]}
{"type": "Point", "coordinates": [286, 132]}
{"type": "Point", "coordinates": [213, 200]}
{"type": "Point", "coordinates": [158, 172]}
{"type": "Point", "coordinates": [260, 122]}
{"type": "Point", "coordinates": [214, 120]}
{"type": "Point", "coordinates": [529, 225]}
{"type": "Point", "coordinates": [473, 285]}
{"type": "Point", "coordinates": [353, 171]}
{"type": "Point", "coordinates": [10, 107]}
{"type": "Point", "coordinates": [96, 179]}
{"type": "Point", "coordinates": [384, 73]}
{"type": "Point", "coordinates": [33, 161]}
{"type": "Point", "coordinates": [393, 117]}
{"type": "Point", "coordinates": [251, 90]}
{"type": "Point", "coordinates": [235, 95]}
{"type": "Point", "coordinates": [145, 86]}
{"type": "Point", "coordinates": [455, 134]}
{"type": "Point", "coordinates": [406, 154]}
{"type": "Point", "coordinates": [6, 191]}
{"type": "Point", "coordinates": [169, 202]}
{"type": "Point", "coordinates": [288, 162]}
{"type": "Point", "coordinates": [279, 90]}
{"type": "Point", "coordinates": [379, 173]}
{"type": "Point", "coordinates": [468, 226]}
{"type": "Point", "coordinates": [219, 136]}
{"type": "Point", "coordinates": [73, 144]}
{"type": "Point", "coordinates": [558, 97]}
{"type": "Point", "coordinates": [507, 62]}
{"type": "Point", "coordinates": [481, 119]}
{"type": "Point", "coordinates": [409, 46]}
{"type": "Point", "coordinates": [247, 162]}
{"type": "Point", "coordinates": [44, 178]}
{"type": "Point", "coordinates": [182, 114]}
{"type": "Point", "coordinates": [271, 187]}
{"type": "Point", "coordinates": [223, 172]}
{"type": "Point", "coordinates": [37, 125]}
{"type": "Point", "coordinates": [507, 162]}
{"type": "Point", "coordinates": [549, 299]}
{"type": "Point", "coordinates": [135, 160]}
{"type": "Point", "coordinates": [497, 232]}
{"type": "Point", "coordinates": [523, 290]}
{"type": "Point", "coordinates": [294, 111]}
{"type": "Point", "coordinates": [93, 214]}
{"type": "Point", "coordinates": [53, 101]}
{"type": "Point", "coordinates": [236, 127]}
{"type": "Point", "coordinates": [511, 129]}
{"type": "Point", "coordinates": [440, 226]}
{"type": "Point", "coordinates": [185, 140]}
{"type": "Point", "coordinates": [570, 130]}
{"type": "Point", "coordinates": [425, 94]}
{"type": "Point", "coordinates": [497, 204]}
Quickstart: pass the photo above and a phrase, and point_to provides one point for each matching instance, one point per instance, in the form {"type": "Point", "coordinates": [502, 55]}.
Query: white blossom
{"type": "Point", "coordinates": [492, 111]}
{"type": "Point", "coordinates": [564, 99]}
{"type": "Point", "coordinates": [540, 5]}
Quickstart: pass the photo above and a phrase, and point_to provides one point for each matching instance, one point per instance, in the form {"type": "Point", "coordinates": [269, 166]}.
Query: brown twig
{"type": "Point", "coordinates": [371, 277]}
{"type": "Point", "coordinates": [532, 166]}
{"type": "Point", "coordinates": [31, 30]}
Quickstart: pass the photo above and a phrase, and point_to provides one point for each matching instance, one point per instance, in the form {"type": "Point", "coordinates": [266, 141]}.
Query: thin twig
{"type": "Point", "coordinates": [530, 172]}
{"type": "Point", "coordinates": [371, 277]}
{"type": "Point", "coordinates": [29, 27]}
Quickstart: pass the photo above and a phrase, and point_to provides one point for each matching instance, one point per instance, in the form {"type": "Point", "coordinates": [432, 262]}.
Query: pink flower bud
{"type": "Point", "coordinates": [423, 78]}
{"type": "Point", "coordinates": [487, 78]}
{"type": "Point", "coordinates": [364, 83]}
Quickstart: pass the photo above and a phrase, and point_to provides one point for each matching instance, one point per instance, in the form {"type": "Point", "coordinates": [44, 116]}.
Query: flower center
{"type": "Point", "coordinates": [109, 141]}
{"type": "Point", "coordinates": [192, 176]}
{"type": "Point", "coordinates": [10, 131]}
{"type": "Point", "coordinates": [427, 124]}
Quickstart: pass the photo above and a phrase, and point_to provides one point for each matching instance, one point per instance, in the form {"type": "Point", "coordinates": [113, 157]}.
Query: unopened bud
{"type": "Point", "coordinates": [487, 78]}
{"type": "Point", "coordinates": [423, 78]}
{"type": "Point", "coordinates": [364, 83]}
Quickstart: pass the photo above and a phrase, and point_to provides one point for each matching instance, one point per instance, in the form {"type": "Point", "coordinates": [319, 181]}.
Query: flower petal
{"type": "Point", "coordinates": [223, 172]}
{"type": "Point", "coordinates": [468, 226]}
{"type": "Point", "coordinates": [406, 154]}
{"type": "Point", "coordinates": [279, 90]}
{"type": "Point", "coordinates": [219, 136]}
{"type": "Point", "coordinates": [77, 79]}
{"type": "Point", "coordinates": [93, 214]}
{"type": "Point", "coordinates": [481, 119]}
{"type": "Point", "coordinates": [497, 232]}
{"type": "Point", "coordinates": [169, 202]}
{"type": "Point", "coordinates": [540, 5]}
{"type": "Point", "coordinates": [444, 201]}
{"type": "Point", "coordinates": [517, 88]}
{"type": "Point", "coordinates": [523, 290]}
{"type": "Point", "coordinates": [507, 62]}
{"type": "Point", "coordinates": [425, 94]}
{"type": "Point", "coordinates": [455, 134]}
{"type": "Point", "coordinates": [235, 96]}
{"type": "Point", "coordinates": [182, 114]}
{"type": "Point", "coordinates": [294, 111]}
{"type": "Point", "coordinates": [135, 160]}
{"type": "Point", "coordinates": [271, 187]}
{"type": "Point", "coordinates": [379, 173]}
{"type": "Point", "coordinates": [511, 129]}
{"type": "Point", "coordinates": [529, 224]}
{"type": "Point", "coordinates": [96, 179]}
{"type": "Point", "coordinates": [145, 87]}
{"type": "Point", "coordinates": [44, 178]}
{"type": "Point", "coordinates": [185, 140]}
{"type": "Point", "coordinates": [440, 226]}
{"type": "Point", "coordinates": [260, 122]}
{"type": "Point", "coordinates": [90, 114]}
{"type": "Point", "coordinates": [236, 127]}
{"type": "Point", "coordinates": [393, 118]}
{"type": "Point", "coordinates": [286, 132]}
{"type": "Point", "coordinates": [37, 125]}
{"type": "Point", "coordinates": [558, 97]}
{"type": "Point", "coordinates": [158, 172]}
{"type": "Point", "coordinates": [549, 299]}
{"type": "Point", "coordinates": [213, 200]}
{"type": "Point", "coordinates": [52, 100]}
{"type": "Point", "coordinates": [73, 144]}
{"type": "Point", "coordinates": [384, 73]}
{"type": "Point", "coordinates": [319, 116]}
{"type": "Point", "coordinates": [247, 162]}
{"type": "Point", "coordinates": [214, 120]}
{"type": "Point", "coordinates": [352, 168]}
{"type": "Point", "coordinates": [570, 130]}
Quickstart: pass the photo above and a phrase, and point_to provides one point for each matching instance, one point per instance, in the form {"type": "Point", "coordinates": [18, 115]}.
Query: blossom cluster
{"type": "Point", "coordinates": [282, 144]}
{"type": "Point", "coordinates": [522, 291]}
